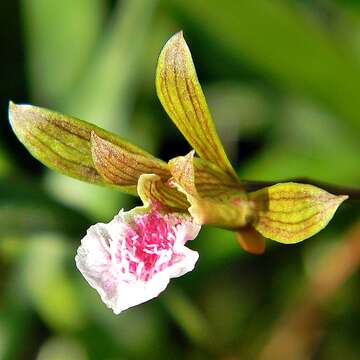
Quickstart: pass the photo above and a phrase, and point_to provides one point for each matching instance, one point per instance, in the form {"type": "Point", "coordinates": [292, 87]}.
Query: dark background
{"type": "Point", "coordinates": [282, 79]}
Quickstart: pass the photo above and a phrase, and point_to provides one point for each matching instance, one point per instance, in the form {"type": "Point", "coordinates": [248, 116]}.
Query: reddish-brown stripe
{"type": "Point", "coordinates": [192, 140]}
{"type": "Point", "coordinates": [62, 164]}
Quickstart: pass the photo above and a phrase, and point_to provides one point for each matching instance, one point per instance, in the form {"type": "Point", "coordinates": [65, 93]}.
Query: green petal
{"type": "Point", "coordinates": [152, 189]}
{"type": "Point", "coordinates": [181, 95]}
{"type": "Point", "coordinates": [123, 165]}
{"type": "Point", "coordinates": [228, 209]}
{"type": "Point", "coordinates": [292, 212]}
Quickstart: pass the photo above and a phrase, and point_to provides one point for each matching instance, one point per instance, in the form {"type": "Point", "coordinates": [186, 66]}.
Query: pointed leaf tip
{"type": "Point", "coordinates": [292, 212]}
{"type": "Point", "coordinates": [180, 93]}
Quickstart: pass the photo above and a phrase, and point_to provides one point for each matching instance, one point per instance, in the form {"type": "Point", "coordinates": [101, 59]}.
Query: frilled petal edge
{"type": "Point", "coordinates": [131, 259]}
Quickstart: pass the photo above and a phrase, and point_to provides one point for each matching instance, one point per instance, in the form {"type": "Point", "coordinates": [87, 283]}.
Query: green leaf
{"type": "Point", "coordinates": [16, 319]}
{"type": "Point", "coordinates": [26, 212]}
{"type": "Point", "coordinates": [299, 147]}
{"type": "Point", "coordinates": [63, 143]}
{"type": "Point", "coordinates": [47, 282]}
{"type": "Point", "coordinates": [228, 208]}
{"type": "Point", "coordinates": [188, 317]}
{"type": "Point", "coordinates": [180, 93]}
{"type": "Point", "coordinates": [61, 347]}
{"type": "Point", "coordinates": [292, 212]}
{"type": "Point", "coordinates": [58, 54]}
{"type": "Point", "coordinates": [122, 166]}
{"type": "Point", "coordinates": [107, 88]}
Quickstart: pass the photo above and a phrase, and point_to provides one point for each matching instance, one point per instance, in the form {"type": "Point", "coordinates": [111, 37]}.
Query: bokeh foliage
{"type": "Point", "coordinates": [282, 79]}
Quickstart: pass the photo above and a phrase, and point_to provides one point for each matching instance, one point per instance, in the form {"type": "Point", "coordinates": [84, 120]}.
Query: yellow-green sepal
{"type": "Point", "coordinates": [292, 212]}
{"type": "Point", "coordinates": [229, 209]}
{"type": "Point", "coordinates": [122, 166]}
{"type": "Point", "coordinates": [67, 145]}
{"type": "Point", "coordinates": [180, 93]}
{"type": "Point", "coordinates": [152, 190]}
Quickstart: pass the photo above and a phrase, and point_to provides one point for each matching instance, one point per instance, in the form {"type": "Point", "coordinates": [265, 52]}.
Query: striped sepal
{"type": "Point", "coordinates": [152, 190]}
{"type": "Point", "coordinates": [292, 212]}
{"type": "Point", "coordinates": [229, 211]}
{"type": "Point", "coordinates": [181, 95]}
{"type": "Point", "coordinates": [213, 183]}
{"type": "Point", "coordinates": [63, 143]}
{"type": "Point", "coordinates": [123, 165]}
{"type": "Point", "coordinates": [58, 141]}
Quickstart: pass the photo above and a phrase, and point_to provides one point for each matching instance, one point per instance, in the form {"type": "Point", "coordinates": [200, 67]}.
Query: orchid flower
{"type": "Point", "coordinates": [132, 258]}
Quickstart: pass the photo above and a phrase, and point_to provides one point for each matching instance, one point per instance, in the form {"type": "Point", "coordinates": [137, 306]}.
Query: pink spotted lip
{"type": "Point", "coordinates": [132, 259]}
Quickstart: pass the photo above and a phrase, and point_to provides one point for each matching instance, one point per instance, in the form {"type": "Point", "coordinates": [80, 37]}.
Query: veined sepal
{"type": "Point", "coordinates": [66, 144]}
{"type": "Point", "coordinates": [180, 93]}
{"type": "Point", "coordinates": [292, 212]}
{"type": "Point", "coordinates": [122, 166]}
{"type": "Point", "coordinates": [152, 190]}
{"type": "Point", "coordinates": [227, 209]}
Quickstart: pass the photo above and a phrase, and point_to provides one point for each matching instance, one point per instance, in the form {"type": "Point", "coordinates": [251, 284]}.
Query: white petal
{"type": "Point", "coordinates": [93, 261]}
{"type": "Point", "coordinates": [110, 274]}
{"type": "Point", "coordinates": [131, 294]}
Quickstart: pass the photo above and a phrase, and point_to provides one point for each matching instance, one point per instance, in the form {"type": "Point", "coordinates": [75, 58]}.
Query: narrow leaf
{"type": "Point", "coordinates": [56, 58]}
{"type": "Point", "coordinates": [180, 93]}
{"type": "Point", "coordinates": [251, 240]}
{"type": "Point", "coordinates": [152, 189]}
{"type": "Point", "coordinates": [123, 166]}
{"type": "Point", "coordinates": [231, 210]}
{"type": "Point", "coordinates": [115, 68]}
{"type": "Point", "coordinates": [23, 212]}
{"type": "Point", "coordinates": [292, 212]}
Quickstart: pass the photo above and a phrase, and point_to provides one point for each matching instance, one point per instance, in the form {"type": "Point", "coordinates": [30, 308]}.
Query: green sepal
{"type": "Point", "coordinates": [292, 212]}
{"type": "Point", "coordinates": [229, 209]}
{"type": "Point", "coordinates": [63, 143]}
{"type": "Point", "coordinates": [180, 93]}
{"type": "Point", "coordinates": [152, 190]}
{"type": "Point", "coordinates": [122, 166]}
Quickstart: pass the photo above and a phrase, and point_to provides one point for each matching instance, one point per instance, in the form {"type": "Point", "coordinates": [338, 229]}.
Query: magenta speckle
{"type": "Point", "coordinates": [148, 244]}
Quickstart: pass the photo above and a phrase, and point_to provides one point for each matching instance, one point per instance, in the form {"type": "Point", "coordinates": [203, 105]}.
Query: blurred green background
{"type": "Point", "coordinates": [282, 79]}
